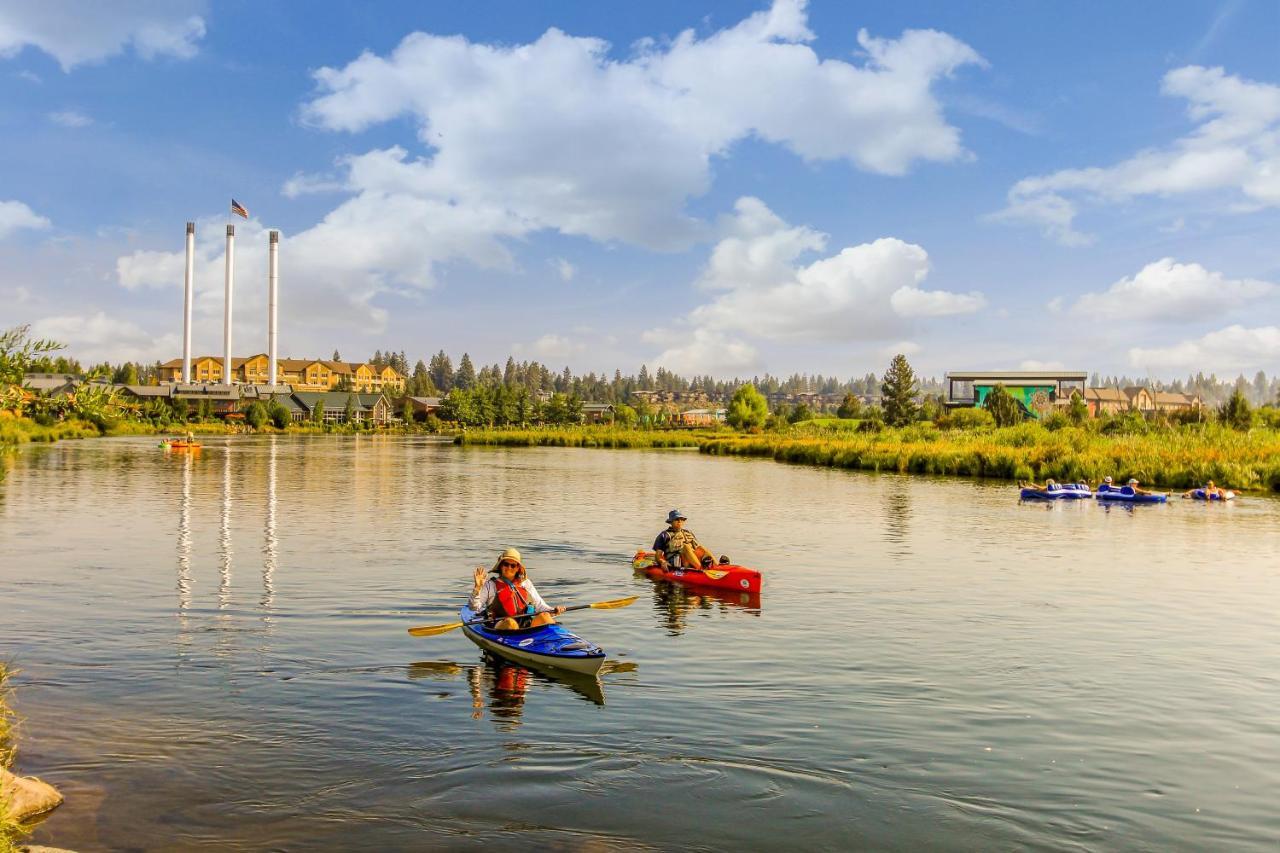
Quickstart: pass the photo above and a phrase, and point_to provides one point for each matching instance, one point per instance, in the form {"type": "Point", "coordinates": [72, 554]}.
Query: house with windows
{"type": "Point", "coordinates": [366, 408]}
{"type": "Point", "coordinates": [306, 374]}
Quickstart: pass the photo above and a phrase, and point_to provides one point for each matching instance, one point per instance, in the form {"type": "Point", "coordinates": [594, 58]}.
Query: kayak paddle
{"type": "Point", "coordinates": [433, 630]}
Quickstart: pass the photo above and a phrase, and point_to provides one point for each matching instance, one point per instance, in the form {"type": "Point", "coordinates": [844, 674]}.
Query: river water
{"type": "Point", "coordinates": [213, 652]}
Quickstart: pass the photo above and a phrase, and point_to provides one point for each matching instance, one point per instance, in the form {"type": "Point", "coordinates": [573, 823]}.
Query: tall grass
{"type": "Point", "coordinates": [1180, 457]}
{"type": "Point", "coordinates": [10, 831]}
{"type": "Point", "coordinates": [585, 436]}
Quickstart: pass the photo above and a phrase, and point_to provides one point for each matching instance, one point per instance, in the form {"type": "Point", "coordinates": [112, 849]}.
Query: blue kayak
{"type": "Point", "coordinates": [546, 646]}
{"type": "Point", "coordinates": [1068, 491]}
{"type": "Point", "coordinates": [1128, 495]}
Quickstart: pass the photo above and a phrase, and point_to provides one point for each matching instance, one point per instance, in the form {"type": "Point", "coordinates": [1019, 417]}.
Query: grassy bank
{"type": "Point", "coordinates": [609, 437]}
{"type": "Point", "coordinates": [1178, 458]}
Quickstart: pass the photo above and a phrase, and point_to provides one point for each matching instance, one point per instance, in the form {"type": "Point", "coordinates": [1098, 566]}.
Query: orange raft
{"type": "Point", "coordinates": [719, 577]}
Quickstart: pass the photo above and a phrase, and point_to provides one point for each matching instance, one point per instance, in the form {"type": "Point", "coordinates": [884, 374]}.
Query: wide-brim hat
{"type": "Point", "coordinates": [509, 554]}
{"type": "Point", "coordinates": [674, 515]}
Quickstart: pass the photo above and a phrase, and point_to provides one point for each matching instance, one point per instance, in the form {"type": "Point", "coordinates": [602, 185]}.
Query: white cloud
{"type": "Point", "coordinates": [1036, 364]}
{"type": "Point", "coordinates": [551, 346]}
{"type": "Point", "coordinates": [704, 351]}
{"type": "Point", "coordinates": [1168, 291]}
{"type": "Point", "coordinates": [70, 118]}
{"type": "Point", "coordinates": [99, 337]}
{"type": "Point", "coordinates": [865, 292]}
{"type": "Point", "coordinates": [907, 348]}
{"type": "Point", "coordinates": [1234, 150]}
{"type": "Point", "coordinates": [557, 134]}
{"type": "Point", "coordinates": [79, 33]}
{"type": "Point", "coordinates": [15, 215]}
{"type": "Point", "coordinates": [1230, 350]}
{"type": "Point", "coordinates": [564, 269]}
{"type": "Point", "coordinates": [30, 76]}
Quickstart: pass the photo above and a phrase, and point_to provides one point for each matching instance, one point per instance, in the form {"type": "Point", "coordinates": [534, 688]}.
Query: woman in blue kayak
{"type": "Point", "coordinates": [510, 598]}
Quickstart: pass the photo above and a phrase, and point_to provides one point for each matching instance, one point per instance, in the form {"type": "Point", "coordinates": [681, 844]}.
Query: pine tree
{"type": "Point", "coordinates": [898, 392]}
{"type": "Point", "coordinates": [465, 378]}
{"type": "Point", "coordinates": [337, 356]}
{"type": "Point", "coordinates": [1003, 408]}
{"type": "Point", "coordinates": [441, 370]}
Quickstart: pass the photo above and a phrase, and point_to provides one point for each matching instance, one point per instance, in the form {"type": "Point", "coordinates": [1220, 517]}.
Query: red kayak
{"type": "Point", "coordinates": [720, 577]}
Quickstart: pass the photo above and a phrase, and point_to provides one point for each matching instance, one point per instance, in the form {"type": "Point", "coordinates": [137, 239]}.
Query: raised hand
{"type": "Point", "coordinates": [479, 576]}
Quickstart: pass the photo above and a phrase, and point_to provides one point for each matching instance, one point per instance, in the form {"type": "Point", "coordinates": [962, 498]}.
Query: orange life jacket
{"type": "Point", "coordinates": [511, 600]}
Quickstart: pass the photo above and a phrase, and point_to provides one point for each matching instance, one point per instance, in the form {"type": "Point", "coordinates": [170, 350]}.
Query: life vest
{"type": "Point", "coordinates": [676, 542]}
{"type": "Point", "coordinates": [511, 600]}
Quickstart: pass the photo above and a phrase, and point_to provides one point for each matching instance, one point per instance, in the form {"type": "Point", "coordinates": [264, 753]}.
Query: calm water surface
{"type": "Point", "coordinates": [213, 653]}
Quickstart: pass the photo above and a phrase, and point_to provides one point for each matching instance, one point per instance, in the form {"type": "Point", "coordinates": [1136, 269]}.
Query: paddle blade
{"type": "Point", "coordinates": [432, 630]}
{"type": "Point", "coordinates": [714, 574]}
{"type": "Point", "coordinates": [617, 602]}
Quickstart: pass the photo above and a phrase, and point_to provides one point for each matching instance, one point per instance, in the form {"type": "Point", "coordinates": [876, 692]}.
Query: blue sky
{"type": "Point", "coordinates": [727, 188]}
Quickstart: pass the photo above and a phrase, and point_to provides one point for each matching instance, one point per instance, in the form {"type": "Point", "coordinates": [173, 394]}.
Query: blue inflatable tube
{"type": "Point", "coordinates": [1224, 495]}
{"type": "Point", "coordinates": [1128, 495]}
{"type": "Point", "coordinates": [1069, 491]}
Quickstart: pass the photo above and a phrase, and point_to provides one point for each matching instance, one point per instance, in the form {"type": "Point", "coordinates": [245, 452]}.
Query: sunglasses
{"type": "Point", "coordinates": [507, 564]}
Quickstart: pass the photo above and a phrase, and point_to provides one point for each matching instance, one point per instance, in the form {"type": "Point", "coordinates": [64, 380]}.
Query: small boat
{"type": "Point", "coordinates": [1128, 495]}
{"type": "Point", "coordinates": [1062, 491]}
{"type": "Point", "coordinates": [1224, 495]}
{"type": "Point", "coordinates": [545, 646]}
{"type": "Point", "coordinates": [725, 576]}
{"type": "Point", "coordinates": [182, 445]}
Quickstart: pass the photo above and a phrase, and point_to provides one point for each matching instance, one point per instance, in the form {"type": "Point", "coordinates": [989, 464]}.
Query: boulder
{"type": "Point", "coordinates": [23, 799]}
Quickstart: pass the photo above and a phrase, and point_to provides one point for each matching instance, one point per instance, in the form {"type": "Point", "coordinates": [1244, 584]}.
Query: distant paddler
{"type": "Point", "coordinates": [676, 546]}
{"type": "Point", "coordinates": [510, 598]}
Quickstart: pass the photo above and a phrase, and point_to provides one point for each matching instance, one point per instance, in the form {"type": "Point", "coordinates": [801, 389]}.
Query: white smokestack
{"type": "Point", "coordinates": [226, 317]}
{"type": "Point", "coordinates": [186, 309]}
{"type": "Point", "coordinates": [273, 283]}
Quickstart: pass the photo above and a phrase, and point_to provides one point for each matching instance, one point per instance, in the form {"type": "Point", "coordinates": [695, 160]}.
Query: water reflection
{"type": "Point", "coordinates": [270, 540]}
{"type": "Point", "coordinates": [224, 534]}
{"type": "Point", "coordinates": [897, 522]}
{"type": "Point", "coordinates": [184, 538]}
{"type": "Point", "coordinates": [673, 602]}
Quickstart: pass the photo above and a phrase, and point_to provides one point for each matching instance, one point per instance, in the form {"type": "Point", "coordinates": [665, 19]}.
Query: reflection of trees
{"type": "Point", "coordinates": [897, 521]}
{"type": "Point", "coordinates": [673, 602]}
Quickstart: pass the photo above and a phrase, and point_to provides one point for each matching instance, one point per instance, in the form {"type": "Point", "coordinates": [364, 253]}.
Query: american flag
{"type": "Point", "coordinates": [238, 209]}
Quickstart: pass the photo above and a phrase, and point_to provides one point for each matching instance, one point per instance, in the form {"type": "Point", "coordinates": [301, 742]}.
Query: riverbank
{"type": "Point", "coordinates": [9, 832]}
{"type": "Point", "coordinates": [1174, 457]}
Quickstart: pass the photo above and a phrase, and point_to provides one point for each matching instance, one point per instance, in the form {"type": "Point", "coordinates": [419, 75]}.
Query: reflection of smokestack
{"type": "Point", "coordinates": [273, 282]}
{"type": "Point", "coordinates": [186, 310]}
{"type": "Point", "coordinates": [226, 317]}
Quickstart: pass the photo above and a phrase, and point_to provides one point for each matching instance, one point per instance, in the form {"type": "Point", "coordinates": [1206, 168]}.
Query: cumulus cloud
{"type": "Point", "coordinates": [79, 33]}
{"type": "Point", "coordinates": [1233, 150]}
{"type": "Point", "coordinates": [866, 292]}
{"type": "Point", "coordinates": [1233, 349]}
{"type": "Point", "coordinates": [15, 215]}
{"type": "Point", "coordinates": [564, 269]}
{"type": "Point", "coordinates": [1036, 364]}
{"type": "Point", "coordinates": [70, 118]}
{"type": "Point", "coordinates": [557, 134]}
{"type": "Point", "coordinates": [704, 351]}
{"type": "Point", "coordinates": [551, 346]}
{"type": "Point", "coordinates": [1167, 291]}
{"type": "Point", "coordinates": [99, 337]}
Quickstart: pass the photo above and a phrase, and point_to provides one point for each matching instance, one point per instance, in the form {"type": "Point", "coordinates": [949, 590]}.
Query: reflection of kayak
{"type": "Point", "coordinates": [720, 577]}
{"type": "Point", "coordinates": [1127, 494]}
{"type": "Point", "coordinates": [1224, 495]}
{"type": "Point", "coordinates": [1070, 491]}
{"type": "Point", "coordinates": [546, 646]}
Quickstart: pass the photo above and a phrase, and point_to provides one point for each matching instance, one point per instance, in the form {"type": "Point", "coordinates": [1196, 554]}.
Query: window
{"type": "Point", "coordinates": [961, 389]}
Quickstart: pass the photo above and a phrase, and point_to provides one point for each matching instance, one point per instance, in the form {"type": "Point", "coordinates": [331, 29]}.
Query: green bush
{"type": "Point", "coordinates": [967, 419]}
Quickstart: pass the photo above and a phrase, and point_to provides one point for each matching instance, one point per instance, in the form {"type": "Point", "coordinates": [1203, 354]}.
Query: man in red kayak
{"type": "Point", "coordinates": [676, 546]}
{"type": "Point", "coordinates": [510, 598]}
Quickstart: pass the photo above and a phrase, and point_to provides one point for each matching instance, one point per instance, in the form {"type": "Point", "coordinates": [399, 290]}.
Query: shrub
{"type": "Point", "coordinates": [967, 419]}
{"type": "Point", "coordinates": [1056, 421]}
{"type": "Point", "coordinates": [748, 409]}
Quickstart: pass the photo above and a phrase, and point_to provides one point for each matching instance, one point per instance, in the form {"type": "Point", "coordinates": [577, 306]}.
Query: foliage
{"type": "Point", "coordinates": [581, 436]}
{"type": "Point", "coordinates": [971, 419]}
{"type": "Point", "coordinates": [317, 414]}
{"type": "Point", "coordinates": [17, 352]}
{"type": "Point", "coordinates": [748, 409]}
{"type": "Point", "coordinates": [898, 392]}
{"type": "Point", "coordinates": [1056, 421]}
{"type": "Point", "coordinates": [1078, 411]}
{"type": "Point", "coordinates": [1003, 408]}
{"type": "Point", "coordinates": [1236, 412]}
{"type": "Point", "coordinates": [278, 413]}
{"type": "Point", "coordinates": [850, 407]}
{"type": "Point", "coordinates": [624, 415]}
{"type": "Point", "coordinates": [801, 412]}
{"type": "Point", "coordinates": [349, 410]}
{"type": "Point", "coordinates": [256, 415]}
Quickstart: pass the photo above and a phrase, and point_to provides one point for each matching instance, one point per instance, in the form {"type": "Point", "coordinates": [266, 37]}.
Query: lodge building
{"type": "Point", "coordinates": [301, 374]}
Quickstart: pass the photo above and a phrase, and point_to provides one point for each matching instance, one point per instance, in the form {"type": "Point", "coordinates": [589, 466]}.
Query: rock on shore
{"type": "Point", "coordinates": [26, 798]}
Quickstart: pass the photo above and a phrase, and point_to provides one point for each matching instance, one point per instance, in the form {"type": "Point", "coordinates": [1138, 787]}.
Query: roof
{"type": "Point", "coordinates": [426, 401]}
{"type": "Point", "coordinates": [1017, 375]}
{"type": "Point", "coordinates": [46, 382]}
{"type": "Point", "coordinates": [1106, 395]}
{"type": "Point", "coordinates": [289, 365]}
{"type": "Point", "coordinates": [1173, 397]}
{"type": "Point", "coordinates": [336, 399]}
{"type": "Point", "coordinates": [147, 390]}
{"type": "Point", "coordinates": [596, 407]}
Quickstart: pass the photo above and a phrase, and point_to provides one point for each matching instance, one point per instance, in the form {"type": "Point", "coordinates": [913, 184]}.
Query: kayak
{"type": "Point", "coordinates": [726, 576]}
{"type": "Point", "coordinates": [1068, 491]}
{"type": "Point", "coordinates": [1128, 495]}
{"type": "Point", "coordinates": [1224, 495]}
{"type": "Point", "coordinates": [546, 646]}
{"type": "Point", "coordinates": [180, 445]}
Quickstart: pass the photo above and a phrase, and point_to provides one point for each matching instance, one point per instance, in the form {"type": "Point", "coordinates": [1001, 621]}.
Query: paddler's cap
{"type": "Point", "coordinates": [510, 554]}
{"type": "Point", "coordinates": [674, 515]}
{"type": "Point", "coordinates": [1132, 481]}
{"type": "Point", "coordinates": [1107, 479]}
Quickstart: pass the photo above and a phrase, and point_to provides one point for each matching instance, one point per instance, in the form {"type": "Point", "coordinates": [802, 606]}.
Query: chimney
{"type": "Point", "coordinates": [226, 317]}
{"type": "Point", "coordinates": [186, 308]}
{"type": "Point", "coordinates": [273, 284]}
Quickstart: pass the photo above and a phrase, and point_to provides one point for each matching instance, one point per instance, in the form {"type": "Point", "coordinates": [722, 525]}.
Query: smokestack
{"type": "Point", "coordinates": [273, 283]}
{"type": "Point", "coordinates": [226, 317]}
{"type": "Point", "coordinates": [186, 308]}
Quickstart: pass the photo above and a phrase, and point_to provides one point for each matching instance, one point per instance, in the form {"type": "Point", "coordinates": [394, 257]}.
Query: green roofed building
{"type": "Point", "coordinates": [367, 408]}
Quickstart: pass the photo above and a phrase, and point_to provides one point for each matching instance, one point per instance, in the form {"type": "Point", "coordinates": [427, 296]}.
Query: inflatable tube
{"type": "Point", "coordinates": [1224, 495]}
{"type": "Point", "coordinates": [1128, 495]}
{"type": "Point", "coordinates": [1070, 491]}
